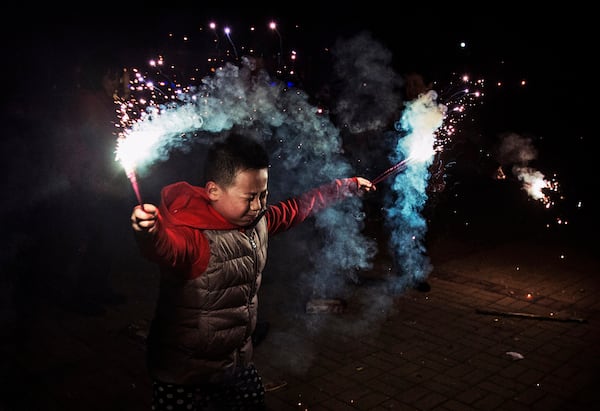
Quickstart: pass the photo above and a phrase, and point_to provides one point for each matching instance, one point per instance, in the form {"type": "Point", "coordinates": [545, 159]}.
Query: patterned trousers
{"type": "Point", "coordinates": [244, 392]}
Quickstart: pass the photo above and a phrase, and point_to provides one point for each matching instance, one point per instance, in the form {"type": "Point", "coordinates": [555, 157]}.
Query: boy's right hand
{"type": "Point", "coordinates": [143, 219]}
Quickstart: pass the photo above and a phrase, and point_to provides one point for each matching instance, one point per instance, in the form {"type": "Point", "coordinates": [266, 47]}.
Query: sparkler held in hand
{"type": "Point", "coordinates": [421, 121]}
{"type": "Point", "coordinates": [124, 155]}
{"type": "Point", "coordinates": [134, 183]}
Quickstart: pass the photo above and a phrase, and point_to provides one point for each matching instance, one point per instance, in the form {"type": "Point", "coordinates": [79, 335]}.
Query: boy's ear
{"type": "Point", "coordinates": [213, 190]}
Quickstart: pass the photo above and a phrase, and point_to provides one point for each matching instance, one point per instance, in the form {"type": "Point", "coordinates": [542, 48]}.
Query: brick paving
{"type": "Point", "coordinates": [447, 349]}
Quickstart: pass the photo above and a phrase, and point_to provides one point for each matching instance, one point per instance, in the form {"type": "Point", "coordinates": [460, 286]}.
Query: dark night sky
{"type": "Point", "coordinates": [551, 49]}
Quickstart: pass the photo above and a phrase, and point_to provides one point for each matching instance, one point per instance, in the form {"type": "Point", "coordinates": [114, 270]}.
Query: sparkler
{"type": "Point", "coordinates": [398, 167]}
{"type": "Point", "coordinates": [134, 183]}
{"type": "Point", "coordinates": [140, 136]}
{"type": "Point", "coordinates": [536, 185]}
{"type": "Point", "coordinates": [431, 125]}
{"type": "Point", "coordinates": [422, 118]}
{"type": "Point", "coordinates": [130, 149]}
{"type": "Point", "coordinates": [432, 131]}
{"type": "Point", "coordinates": [124, 154]}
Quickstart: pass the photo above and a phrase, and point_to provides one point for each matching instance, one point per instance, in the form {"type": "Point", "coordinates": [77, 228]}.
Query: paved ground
{"type": "Point", "coordinates": [511, 323]}
{"type": "Point", "coordinates": [507, 328]}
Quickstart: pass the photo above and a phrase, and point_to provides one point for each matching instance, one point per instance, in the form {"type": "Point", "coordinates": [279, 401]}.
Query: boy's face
{"type": "Point", "coordinates": [241, 202]}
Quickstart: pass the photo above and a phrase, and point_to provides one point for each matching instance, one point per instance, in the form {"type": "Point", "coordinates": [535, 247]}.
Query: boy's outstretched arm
{"type": "Point", "coordinates": [286, 214]}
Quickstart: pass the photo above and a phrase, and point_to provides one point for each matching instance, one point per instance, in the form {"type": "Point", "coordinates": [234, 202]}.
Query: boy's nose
{"type": "Point", "coordinates": [255, 204]}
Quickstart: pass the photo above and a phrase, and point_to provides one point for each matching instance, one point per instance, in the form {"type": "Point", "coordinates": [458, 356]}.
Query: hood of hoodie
{"type": "Point", "coordinates": [185, 204]}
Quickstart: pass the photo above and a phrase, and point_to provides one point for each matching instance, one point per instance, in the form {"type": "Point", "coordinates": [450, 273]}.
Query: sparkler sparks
{"type": "Point", "coordinates": [456, 100]}
{"type": "Point", "coordinates": [460, 96]}
{"type": "Point", "coordinates": [421, 120]}
{"type": "Point", "coordinates": [520, 151]}
{"type": "Point", "coordinates": [536, 185]}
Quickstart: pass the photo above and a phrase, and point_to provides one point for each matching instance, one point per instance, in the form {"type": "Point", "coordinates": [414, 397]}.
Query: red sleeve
{"type": "Point", "coordinates": [287, 214]}
{"type": "Point", "coordinates": [180, 247]}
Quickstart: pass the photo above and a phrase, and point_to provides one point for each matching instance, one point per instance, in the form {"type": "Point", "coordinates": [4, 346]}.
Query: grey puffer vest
{"type": "Point", "coordinates": [202, 328]}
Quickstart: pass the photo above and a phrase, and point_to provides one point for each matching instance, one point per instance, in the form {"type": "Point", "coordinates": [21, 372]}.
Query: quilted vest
{"type": "Point", "coordinates": [202, 328]}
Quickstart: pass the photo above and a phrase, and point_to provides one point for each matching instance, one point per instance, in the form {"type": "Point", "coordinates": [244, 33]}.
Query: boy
{"type": "Point", "coordinates": [211, 246]}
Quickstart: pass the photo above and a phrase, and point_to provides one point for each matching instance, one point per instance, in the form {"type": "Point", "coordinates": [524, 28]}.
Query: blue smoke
{"type": "Point", "coordinates": [417, 126]}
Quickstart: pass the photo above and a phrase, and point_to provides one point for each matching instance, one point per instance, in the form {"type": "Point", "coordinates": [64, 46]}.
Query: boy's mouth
{"type": "Point", "coordinates": [255, 216]}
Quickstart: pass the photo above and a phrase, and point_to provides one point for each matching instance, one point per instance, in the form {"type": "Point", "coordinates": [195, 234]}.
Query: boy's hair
{"type": "Point", "coordinates": [234, 154]}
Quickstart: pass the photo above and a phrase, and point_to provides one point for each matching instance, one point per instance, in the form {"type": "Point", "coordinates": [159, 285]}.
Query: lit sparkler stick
{"type": "Point", "coordinates": [149, 123]}
{"type": "Point", "coordinates": [134, 183]}
{"type": "Point", "coordinates": [128, 153]}
{"type": "Point", "coordinates": [398, 167]}
{"type": "Point", "coordinates": [422, 119]}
